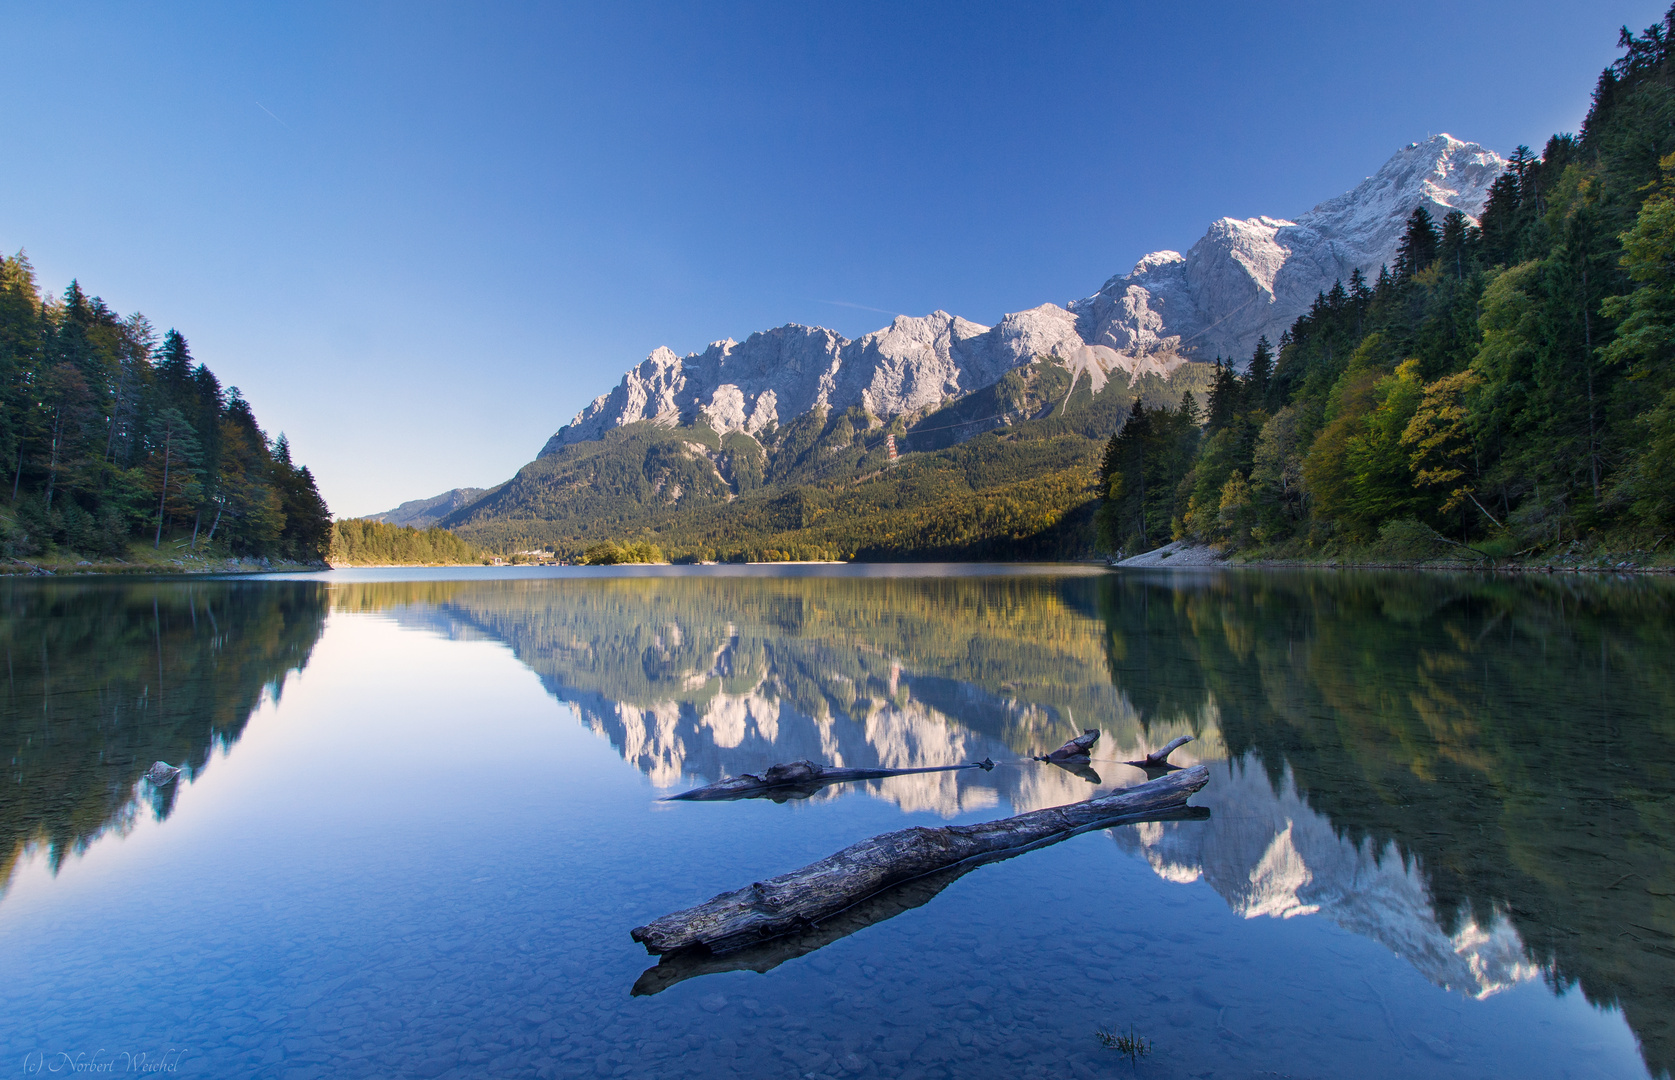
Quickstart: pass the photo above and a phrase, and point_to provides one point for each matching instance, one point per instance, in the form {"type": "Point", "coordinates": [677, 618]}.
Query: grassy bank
{"type": "Point", "coordinates": [142, 558]}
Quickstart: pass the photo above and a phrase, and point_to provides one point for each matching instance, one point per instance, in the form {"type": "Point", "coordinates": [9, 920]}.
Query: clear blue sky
{"type": "Point", "coordinates": [420, 237]}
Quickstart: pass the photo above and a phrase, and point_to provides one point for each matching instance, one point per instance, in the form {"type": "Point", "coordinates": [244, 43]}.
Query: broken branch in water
{"type": "Point", "coordinates": [800, 779]}
{"type": "Point", "coordinates": [1078, 749]}
{"type": "Point", "coordinates": [802, 898]}
{"type": "Point", "coordinates": [1159, 758]}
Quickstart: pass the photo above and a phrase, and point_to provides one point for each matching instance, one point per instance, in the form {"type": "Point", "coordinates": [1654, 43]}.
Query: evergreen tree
{"type": "Point", "coordinates": [1358, 289]}
{"type": "Point", "coordinates": [1420, 244]}
{"type": "Point", "coordinates": [1224, 398]}
{"type": "Point", "coordinates": [1456, 235]}
{"type": "Point", "coordinates": [177, 455]}
{"type": "Point", "coordinates": [174, 369]}
{"type": "Point", "coordinates": [1257, 375]}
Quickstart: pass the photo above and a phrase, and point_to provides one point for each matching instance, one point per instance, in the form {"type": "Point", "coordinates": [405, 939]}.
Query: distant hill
{"type": "Point", "coordinates": [422, 513]}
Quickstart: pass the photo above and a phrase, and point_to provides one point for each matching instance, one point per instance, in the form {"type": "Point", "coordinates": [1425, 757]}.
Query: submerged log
{"type": "Point", "coordinates": [1078, 749]}
{"type": "Point", "coordinates": [801, 899]}
{"type": "Point", "coordinates": [801, 779]}
{"type": "Point", "coordinates": [1159, 758]}
{"type": "Point", "coordinates": [764, 956]}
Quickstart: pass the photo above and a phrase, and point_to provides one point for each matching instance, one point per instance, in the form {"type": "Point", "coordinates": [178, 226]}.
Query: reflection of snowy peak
{"type": "Point", "coordinates": [1241, 280]}
{"type": "Point", "coordinates": [1248, 278]}
{"type": "Point", "coordinates": [1270, 854]}
{"type": "Point", "coordinates": [726, 702]}
{"type": "Point", "coordinates": [725, 715]}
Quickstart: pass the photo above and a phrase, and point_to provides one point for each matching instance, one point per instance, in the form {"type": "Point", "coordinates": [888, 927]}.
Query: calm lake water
{"type": "Point", "coordinates": [418, 817]}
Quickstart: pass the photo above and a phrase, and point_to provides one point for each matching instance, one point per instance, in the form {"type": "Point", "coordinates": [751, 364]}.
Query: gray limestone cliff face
{"type": "Point", "coordinates": [913, 365]}
{"type": "Point", "coordinates": [1242, 280]}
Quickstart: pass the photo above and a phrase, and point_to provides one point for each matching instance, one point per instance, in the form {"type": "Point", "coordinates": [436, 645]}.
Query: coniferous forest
{"type": "Point", "coordinates": [115, 440]}
{"type": "Point", "coordinates": [364, 542]}
{"type": "Point", "coordinates": [1506, 388]}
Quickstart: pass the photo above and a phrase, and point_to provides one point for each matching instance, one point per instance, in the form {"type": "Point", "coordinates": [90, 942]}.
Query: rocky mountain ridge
{"type": "Point", "coordinates": [1243, 279]}
{"type": "Point", "coordinates": [423, 513]}
{"type": "Point", "coordinates": [1246, 279]}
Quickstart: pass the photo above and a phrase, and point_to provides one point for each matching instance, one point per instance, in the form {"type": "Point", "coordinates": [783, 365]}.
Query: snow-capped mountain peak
{"type": "Point", "coordinates": [1250, 278]}
{"type": "Point", "coordinates": [1243, 279]}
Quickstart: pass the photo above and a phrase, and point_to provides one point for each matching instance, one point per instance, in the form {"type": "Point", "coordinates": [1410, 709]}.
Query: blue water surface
{"type": "Point", "coordinates": [419, 815]}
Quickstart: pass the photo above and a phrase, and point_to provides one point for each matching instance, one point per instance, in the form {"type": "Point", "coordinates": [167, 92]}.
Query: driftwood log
{"type": "Point", "coordinates": [1078, 749]}
{"type": "Point", "coordinates": [764, 956]}
{"type": "Point", "coordinates": [801, 899]}
{"type": "Point", "coordinates": [800, 779]}
{"type": "Point", "coordinates": [1159, 758]}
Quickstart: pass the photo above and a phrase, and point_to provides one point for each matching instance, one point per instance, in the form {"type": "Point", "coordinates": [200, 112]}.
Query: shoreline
{"type": "Point", "coordinates": [1187, 556]}
{"type": "Point", "coordinates": [1176, 556]}
{"type": "Point", "coordinates": [87, 568]}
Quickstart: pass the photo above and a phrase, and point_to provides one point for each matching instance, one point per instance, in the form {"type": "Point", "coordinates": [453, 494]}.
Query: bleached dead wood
{"type": "Point", "coordinates": [764, 956]}
{"type": "Point", "coordinates": [1159, 758]}
{"type": "Point", "coordinates": [1078, 749]}
{"type": "Point", "coordinates": [802, 898]}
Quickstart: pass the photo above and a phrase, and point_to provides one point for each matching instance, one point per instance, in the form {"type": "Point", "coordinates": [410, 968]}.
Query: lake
{"type": "Point", "coordinates": [419, 814]}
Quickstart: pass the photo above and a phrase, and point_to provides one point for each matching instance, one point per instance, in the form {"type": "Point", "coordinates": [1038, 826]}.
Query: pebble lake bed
{"type": "Point", "coordinates": [419, 812]}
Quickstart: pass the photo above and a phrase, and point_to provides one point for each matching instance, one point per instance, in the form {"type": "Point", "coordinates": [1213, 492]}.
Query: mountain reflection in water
{"type": "Point", "coordinates": [1477, 772]}
{"type": "Point", "coordinates": [1474, 771]}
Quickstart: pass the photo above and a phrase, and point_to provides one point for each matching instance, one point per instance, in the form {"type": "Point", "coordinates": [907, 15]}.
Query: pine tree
{"type": "Point", "coordinates": [1455, 235]}
{"type": "Point", "coordinates": [1256, 376]}
{"type": "Point", "coordinates": [174, 370]}
{"type": "Point", "coordinates": [1188, 409]}
{"type": "Point", "coordinates": [1224, 398]}
{"type": "Point", "coordinates": [177, 452]}
{"type": "Point", "coordinates": [1419, 244]}
{"type": "Point", "coordinates": [1503, 221]}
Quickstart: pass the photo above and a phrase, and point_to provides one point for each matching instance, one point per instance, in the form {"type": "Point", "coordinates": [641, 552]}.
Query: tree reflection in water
{"type": "Point", "coordinates": [105, 677]}
{"type": "Point", "coordinates": [1511, 739]}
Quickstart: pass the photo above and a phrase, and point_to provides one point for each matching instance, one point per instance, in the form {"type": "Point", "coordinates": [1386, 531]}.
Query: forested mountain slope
{"type": "Point", "coordinates": [1505, 389]}
{"type": "Point", "coordinates": [824, 487]}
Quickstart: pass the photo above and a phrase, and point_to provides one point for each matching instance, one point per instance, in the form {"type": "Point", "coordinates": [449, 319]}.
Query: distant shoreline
{"type": "Point", "coordinates": [1182, 555]}
{"type": "Point", "coordinates": [391, 566]}
{"type": "Point", "coordinates": [22, 568]}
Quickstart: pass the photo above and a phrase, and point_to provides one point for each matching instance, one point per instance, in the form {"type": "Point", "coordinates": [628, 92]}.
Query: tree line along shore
{"type": "Point", "coordinates": [122, 452]}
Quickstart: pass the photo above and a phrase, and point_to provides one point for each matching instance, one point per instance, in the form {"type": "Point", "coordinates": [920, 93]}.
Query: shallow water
{"type": "Point", "coordinates": [418, 818]}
